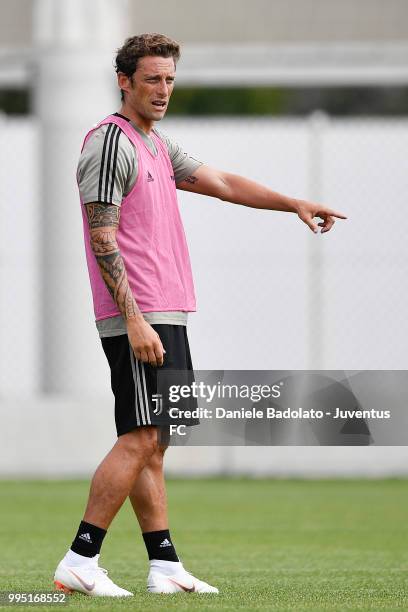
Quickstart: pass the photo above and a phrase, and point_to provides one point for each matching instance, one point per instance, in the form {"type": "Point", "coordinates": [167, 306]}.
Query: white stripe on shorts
{"type": "Point", "coordinates": [142, 407]}
{"type": "Point", "coordinates": [140, 392]}
{"type": "Point", "coordinates": [132, 361]}
{"type": "Point", "coordinates": [145, 394]}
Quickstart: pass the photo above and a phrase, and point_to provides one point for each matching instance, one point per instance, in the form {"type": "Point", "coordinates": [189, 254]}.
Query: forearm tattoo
{"type": "Point", "coordinates": [103, 221]}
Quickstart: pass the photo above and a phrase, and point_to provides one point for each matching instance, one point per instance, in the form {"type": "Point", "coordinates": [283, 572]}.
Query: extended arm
{"type": "Point", "coordinates": [239, 190]}
{"type": "Point", "coordinates": [103, 221]}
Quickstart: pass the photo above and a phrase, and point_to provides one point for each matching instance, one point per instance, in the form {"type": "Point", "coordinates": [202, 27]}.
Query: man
{"type": "Point", "coordinates": [142, 290]}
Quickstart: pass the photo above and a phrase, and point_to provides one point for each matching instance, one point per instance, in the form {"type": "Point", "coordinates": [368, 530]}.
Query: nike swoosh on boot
{"type": "Point", "coordinates": [186, 589]}
{"type": "Point", "coordinates": [88, 587]}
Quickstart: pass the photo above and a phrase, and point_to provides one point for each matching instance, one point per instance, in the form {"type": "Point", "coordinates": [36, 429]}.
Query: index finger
{"type": "Point", "coordinates": [332, 213]}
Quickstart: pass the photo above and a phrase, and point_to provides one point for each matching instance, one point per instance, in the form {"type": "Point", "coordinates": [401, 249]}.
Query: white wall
{"type": "Point", "coordinates": [20, 266]}
{"type": "Point", "coordinates": [271, 295]}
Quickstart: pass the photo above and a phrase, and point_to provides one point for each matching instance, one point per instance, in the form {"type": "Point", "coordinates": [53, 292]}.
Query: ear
{"type": "Point", "coordinates": [124, 82]}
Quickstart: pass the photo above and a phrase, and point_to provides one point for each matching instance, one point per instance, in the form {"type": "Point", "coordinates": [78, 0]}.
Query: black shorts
{"type": "Point", "coordinates": [137, 385]}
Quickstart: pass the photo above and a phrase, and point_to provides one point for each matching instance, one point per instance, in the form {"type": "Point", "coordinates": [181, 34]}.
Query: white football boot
{"type": "Point", "coordinates": [171, 577]}
{"type": "Point", "coordinates": [89, 579]}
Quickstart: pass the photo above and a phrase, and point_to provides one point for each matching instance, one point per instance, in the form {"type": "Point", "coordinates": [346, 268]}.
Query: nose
{"type": "Point", "coordinates": [162, 88]}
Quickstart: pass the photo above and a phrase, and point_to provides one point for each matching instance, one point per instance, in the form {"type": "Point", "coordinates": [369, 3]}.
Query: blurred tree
{"type": "Point", "coordinates": [341, 101]}
{"type": "Point", "coordinates": [264, 101]}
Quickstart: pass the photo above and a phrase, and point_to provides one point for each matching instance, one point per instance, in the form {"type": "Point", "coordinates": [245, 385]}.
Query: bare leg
{"type": "Point", "coordinates": [116, 475]}
{"type": "Point", "coordinates": [148, 495]}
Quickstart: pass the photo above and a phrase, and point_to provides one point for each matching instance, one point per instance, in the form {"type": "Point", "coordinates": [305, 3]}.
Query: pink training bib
{"type": "Point", "coordinates": [151, 237]}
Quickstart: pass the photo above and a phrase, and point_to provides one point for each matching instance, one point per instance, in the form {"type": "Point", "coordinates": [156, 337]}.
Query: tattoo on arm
{"type": "Point", "coordinates": [191, 179]}
{"type": "Point", "coordinates": [103, 221]}
{"type": "Point", "coordinates": [102, 215]}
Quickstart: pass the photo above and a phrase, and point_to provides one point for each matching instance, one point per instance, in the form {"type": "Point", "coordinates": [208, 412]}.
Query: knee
{"type": "Point", "coordinates": [156, 460]}
{"type": "Point", "coordinates": [141, 442]}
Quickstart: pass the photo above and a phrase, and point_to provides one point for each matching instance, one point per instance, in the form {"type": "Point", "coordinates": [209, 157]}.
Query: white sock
{"type": "Point", "coordinates": [166, 567]}
{"type": "Point", "coordinates": [74, 560]}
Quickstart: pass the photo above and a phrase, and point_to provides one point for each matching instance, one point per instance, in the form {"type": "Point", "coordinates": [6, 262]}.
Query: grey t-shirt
{"type": "Point", "coordinates": [121, 168]}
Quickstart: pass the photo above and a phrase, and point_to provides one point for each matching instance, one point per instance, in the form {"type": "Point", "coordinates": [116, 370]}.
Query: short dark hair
{"type": "Point", "coordinates": [144, 45]}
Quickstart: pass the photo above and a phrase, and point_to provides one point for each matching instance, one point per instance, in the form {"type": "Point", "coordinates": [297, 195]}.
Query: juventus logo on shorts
{"type": "Point", "coordinates": [158, 400]}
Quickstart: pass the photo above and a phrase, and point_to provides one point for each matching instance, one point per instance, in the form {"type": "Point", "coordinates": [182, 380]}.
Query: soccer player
{"type": "Point", "coordinates": [142, 290]}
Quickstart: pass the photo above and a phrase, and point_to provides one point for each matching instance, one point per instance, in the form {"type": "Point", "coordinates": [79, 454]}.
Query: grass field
{"type": "Point", "coordinates": [267, 545]}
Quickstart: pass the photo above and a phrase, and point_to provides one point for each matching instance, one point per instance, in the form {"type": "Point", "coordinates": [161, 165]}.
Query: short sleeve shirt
{"type": "Point", "coordinates": [121, 167]}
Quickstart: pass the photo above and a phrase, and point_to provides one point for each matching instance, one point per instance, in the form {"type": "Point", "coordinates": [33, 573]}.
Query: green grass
{"type": "Point", "coordinates": [267, 544]}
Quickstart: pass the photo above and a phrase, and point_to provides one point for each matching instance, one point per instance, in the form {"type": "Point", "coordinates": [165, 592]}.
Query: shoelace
{"type": "Point", "coordinates": [189, 573]}
{"type": "Point", "coordinates": [195, 580]}
{"type": "Point", "coordinates": [104, 572]}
